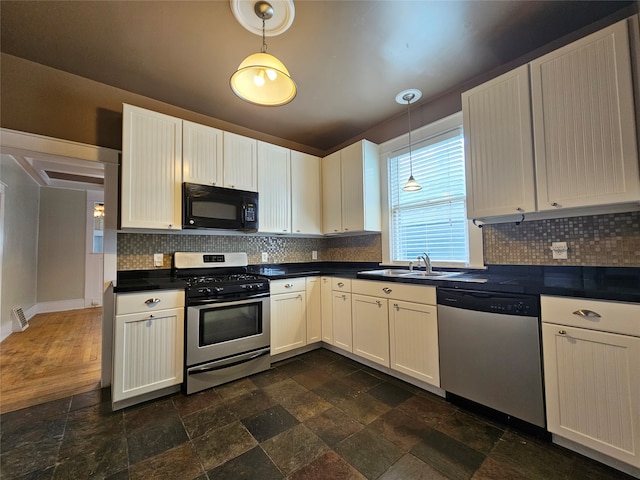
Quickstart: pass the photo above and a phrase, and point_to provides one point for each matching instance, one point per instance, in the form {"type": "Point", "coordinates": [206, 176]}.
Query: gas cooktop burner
{"type": "Point", "coordinates": [228, 278]}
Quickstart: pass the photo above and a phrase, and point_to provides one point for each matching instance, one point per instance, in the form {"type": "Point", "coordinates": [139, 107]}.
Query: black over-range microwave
{"type": "Point", "coordinates": [204, 206]}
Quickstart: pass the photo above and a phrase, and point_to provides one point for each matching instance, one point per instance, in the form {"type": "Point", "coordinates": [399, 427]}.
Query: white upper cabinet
{"type": "Point", "coordinates": [274, 188]}
{"type": "Point", "coordinates": [499, 146]}
{"type": "Point", "coordinates": [240, 162]}
{"type": "Point", "coordinates": [584, 126]}
{"type": "Point", "coordinates": [351, 189]}
{"type": "Point", "coordinates": [306, 195]}
{"type": "Point", "coordinates": [201, 154]}
{"type": "Point", "coordinates": [151, 170]}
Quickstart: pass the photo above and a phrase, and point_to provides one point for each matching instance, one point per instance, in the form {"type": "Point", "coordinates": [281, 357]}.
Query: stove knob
{"type": "Point", "coordinates": [218, 289]}
{"type": "Point", "coordinates": [205, 291]}
{"type": "Point", "coordinates": [250, 286]}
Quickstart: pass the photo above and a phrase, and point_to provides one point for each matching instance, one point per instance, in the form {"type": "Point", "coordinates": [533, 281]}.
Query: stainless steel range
{"type": "Point", "coordinates": [227, 319]}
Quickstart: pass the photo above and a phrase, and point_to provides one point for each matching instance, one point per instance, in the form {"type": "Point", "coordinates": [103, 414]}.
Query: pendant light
{"type": "Point", "coordinates": [408, 96]}
{"type": "Point", "coordinates": [261, 78]}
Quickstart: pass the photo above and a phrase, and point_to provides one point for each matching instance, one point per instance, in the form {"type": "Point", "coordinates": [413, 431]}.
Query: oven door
{"type": "Point", "coordinates": [219, 330]}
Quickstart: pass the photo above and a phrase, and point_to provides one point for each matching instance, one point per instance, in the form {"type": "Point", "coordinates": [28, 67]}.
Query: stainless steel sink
{"type": "Point", "coordinates": [387, 272]}
{"type": "Point", "coordinates": [401, 273]}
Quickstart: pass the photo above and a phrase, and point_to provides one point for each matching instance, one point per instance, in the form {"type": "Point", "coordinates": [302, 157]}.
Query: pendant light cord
{"type": "Point", "coordinates": [264, 39]}
{"type": "Point", "coordinates": [409, 116]}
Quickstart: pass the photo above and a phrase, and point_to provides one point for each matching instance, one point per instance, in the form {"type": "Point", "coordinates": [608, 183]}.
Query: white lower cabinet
{"type": "Point", "coordinates": [326, 298]}
{"type": "Point", "coordinates": [591, 353]}
{"type": "Point", "coordinates": [149, 343]}
{"type": "Point", "coordinates": [288, 315]}
{"type": "Point", "coordinates": [314, 310]}
{"type": "Point", "coordinates": [341, 313]}
{"type": "Point", "coordinates": [370, 328]}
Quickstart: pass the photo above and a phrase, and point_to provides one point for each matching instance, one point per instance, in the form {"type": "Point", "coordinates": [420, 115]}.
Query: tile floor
{"type": "Point", "coordinates": [316, 416]}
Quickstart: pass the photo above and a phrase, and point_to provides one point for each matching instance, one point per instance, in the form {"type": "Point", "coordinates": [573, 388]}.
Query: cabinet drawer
{"type": "Point", "coordinates": [288, 285]}
{"type": "Point", "coordinates": [397, 291]}
{"type": "Point", "coordinates": [606, 316]}
{"type": "Point", "coordinates": [342, 284]}
{"type": "Point", "coordinates": [148, 301]}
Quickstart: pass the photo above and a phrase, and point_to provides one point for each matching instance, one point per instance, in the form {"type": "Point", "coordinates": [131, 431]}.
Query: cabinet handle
{"type": "Point", "coordinates": [562, 332]}
{"type": "Point", "coordinates": [152, 302]}
{"type": "Point", "coordinates": [344, 297]}
{"type": "Point", "coordinates": [288, 285]}
{"type": "Point", "coordinates": [519, 210]}
{"type": "Point", "coordinates": [340, 284]}
{"type": "Point", "coordinates": [555, 204]}
{"type": "Point", "coordinates": [396, 306]}
{"type": "Point", "coordinates": [299, 297]}
{"type": "Point", "coordinates": [171, 225]}
{"type": "Point", "coordinates": [387, 290]}
{"type": "Point", "coordinates": [379, 303]}
{"type": "Point", "coordinates": [587, 314]}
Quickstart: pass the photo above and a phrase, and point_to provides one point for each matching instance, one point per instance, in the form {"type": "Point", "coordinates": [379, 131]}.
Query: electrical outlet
{"type": "Point", "coordinates": [265, 257]}
{"type": "Point", "coordinates": [314, 255]}
{"type": "Point", "coordinates": [559, 250]}
{"type": "Point", "coordinates": [158, 259]}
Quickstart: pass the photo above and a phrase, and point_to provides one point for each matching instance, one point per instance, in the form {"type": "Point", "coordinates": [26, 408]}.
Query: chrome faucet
{"type": "Point", "coordinates": [427, 262]}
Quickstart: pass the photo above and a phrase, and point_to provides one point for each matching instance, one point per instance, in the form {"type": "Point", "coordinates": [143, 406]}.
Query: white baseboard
{"type": "Point", "coordinates": [60, 305]}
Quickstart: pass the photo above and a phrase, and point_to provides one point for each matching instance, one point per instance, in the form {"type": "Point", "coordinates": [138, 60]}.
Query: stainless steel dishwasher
{"type": "Point", "coordinates": [490, 351]}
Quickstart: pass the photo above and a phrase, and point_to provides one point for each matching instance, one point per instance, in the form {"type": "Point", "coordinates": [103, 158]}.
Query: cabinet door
{"type": "Point", "coordinates": [352, 165]}
{"type": "Point", "coordinates": [288, 322]}
{"type": "Point", "coordinates": [342, 334]}
{"type": "Point", "coordinates": [151, 195]}
{"type": "Point", "coordinates": [240, 165]}
{"type": "Point", "coordinates": [592, 383]}
{"type": "Point", "coordinates": [370, 328]}
{"type": "Point", "coordinates": [584, 124]}
{"type": "Point", "coordinates": [201, 154]}
{"type": "Point", "coordinates": [413, 335]}
{"type": "Point", "coordinates": [306, 196]}
{"type": "Point", "coordinates": [314, 310]}
{"type": "Point", "coordinates": [149, 352]}
{"type": "Point", "coordinates": [326, 295]}
{"type": "Point", "coordinates": [274, 188]}
{"type": "Point", "coordinates": [499, 146]}
{"type": "Point", "coordinates": [331, 194]}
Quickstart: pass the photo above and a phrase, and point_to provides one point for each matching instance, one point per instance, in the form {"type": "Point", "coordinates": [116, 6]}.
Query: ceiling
{"type": "Point", "coordinates": [349, 58]}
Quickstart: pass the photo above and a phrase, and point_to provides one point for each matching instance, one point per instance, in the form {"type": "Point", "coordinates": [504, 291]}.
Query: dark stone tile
{"type": "Point", "coordinates": [531, 457]}
{"type": "Point", "coordinates": [251, 465]}
{"type": "Point", "coordinates": [103, 459]}
{"type": "Point", "coordinates": [370, 453]}
{"type": "Point", "coordinates": [142, 416]}
{"type": "Point", "coordinates": [492, 469]}
{"type": "Point", "coordinates": [583, 468]}
{"type": "Point", "coordinates": [121, 475]}
{"type": "Point", "coordinates": [221, 445]}
{"type": "Point", "coordinates": [89, 399]}
{"type": "Point", "coordinates": [447, 455]}
{"type": "Point", "coordinates": [17, 434]}
{"type": "Point", "coordinates": [333, 426]}
{"type": "Point", "coordinates": [320, 356]}
{"type": "Point", "coordinates": [429, 410]}
{"type": "Point", "coordinates": [313, 378]}
{"type": "Point", "coordinates": [361, 380]}
{"type": "Point", "coordinates": [400, 429]}
{"type": "Point", "coordinates": [236, 389]}
{"type": "Point", "coordinates": [294, 448]}
{"type": "Point", "coordinates": [155, 439]}
{"type": "Point", "coordinates": [412, 468]}
{"type": "Point", "coordinates": [306, 405]}
{"type": "Point", "coordinates": [188, 404]}
{"type": "Point", "coordinates": [336, 392]}
{"type": "Point", "coordinates": [269, 377]}
{"type": "Point", "coordinates": [19, 418]}
{"type": "Point", "coordinates": [251, 403]}
{"type": "Point", "coordinates": [364, 408]}
{"type": "Point", "coordinates": [32, 457]}
{"type": "Point", "coordinates": [342, 367]}
{"type": "Point", "coordinates": [471, 431]}
{"type": "Point", "coordinates": [202, 421]}
{"type": "Point", "coordinates": [327, 466]}
{"type": "Point", "coordinates": [293, 366]}
{"type": "Point", "coordinates": [95, 414]}
{"type": "Point", "coordinates": [269, 423]}
{"type": "Point", "coordinates": [88, 430]}
{"type": "Point", "coordinates": [180, 462]}
{"type": "Point", "coordinates": [285, 390]}
{"type": "Point", "coordinates": [391, 394]}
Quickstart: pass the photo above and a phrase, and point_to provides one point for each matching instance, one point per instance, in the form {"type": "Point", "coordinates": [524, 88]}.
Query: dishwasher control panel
{"type": "Point", "coordinates": [493, 302]}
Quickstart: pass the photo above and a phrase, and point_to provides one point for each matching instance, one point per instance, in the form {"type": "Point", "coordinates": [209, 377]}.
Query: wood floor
{"type": "Point", "coordinates": [57, 356]}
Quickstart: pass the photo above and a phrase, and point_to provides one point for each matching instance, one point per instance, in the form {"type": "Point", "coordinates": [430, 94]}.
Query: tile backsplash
{"type": "Point", "coordinates": [135, 250]}
{"type": "Point", "coordinates": [597, 240]}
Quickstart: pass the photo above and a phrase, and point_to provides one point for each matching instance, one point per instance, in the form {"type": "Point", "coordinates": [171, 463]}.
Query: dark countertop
{"type": "Point", "coordinates": [604, 283]}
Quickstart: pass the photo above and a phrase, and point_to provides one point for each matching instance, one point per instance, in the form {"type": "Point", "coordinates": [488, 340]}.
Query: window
{"type": "Point", "coordinates": [431, 220]}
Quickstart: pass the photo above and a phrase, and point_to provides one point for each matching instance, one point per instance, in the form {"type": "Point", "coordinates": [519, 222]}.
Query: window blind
{"type": "Point", "coordinates": [433, 219]}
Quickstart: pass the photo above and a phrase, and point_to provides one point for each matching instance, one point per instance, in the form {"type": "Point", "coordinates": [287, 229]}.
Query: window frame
{"type": "Point", "coordinates": [388, 150]}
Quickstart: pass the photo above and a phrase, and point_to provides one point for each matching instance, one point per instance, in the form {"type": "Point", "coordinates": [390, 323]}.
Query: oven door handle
{"type": "Point", "coordinates": [220, 302]}
{"type": "Point", "coordinates": [231, 363]}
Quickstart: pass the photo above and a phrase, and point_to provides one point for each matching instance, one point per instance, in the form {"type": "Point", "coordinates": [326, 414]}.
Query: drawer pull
{"type": "Point", "coordinates": [587, 314]}
{"type": "Point", "coordinates": [562, 332]}
{"type": "Point", "coordinates": [152, 302]}
{"type": "Point", "coordinates": [379, 303]}
{"type": "Point", "coordinates": [396, 306]}
{"type": "Point", "coordinates": [288, 285]}
{"type": "Point", "coordinates": [344, 297]}
{"type": "Point", "coordinates": [387, 290]}
{"type": "Point", "coordinates": [340, 284]}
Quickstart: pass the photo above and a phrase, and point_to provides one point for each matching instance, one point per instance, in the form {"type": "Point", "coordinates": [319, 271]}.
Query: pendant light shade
{"type": "Point", "coordinates": [408, 96]}
{"type": "Point", "coordinates": [261, 78]}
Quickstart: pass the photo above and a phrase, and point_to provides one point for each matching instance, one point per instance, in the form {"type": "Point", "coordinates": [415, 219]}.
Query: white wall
{"type": "Point", "coordinates": [20, 242]}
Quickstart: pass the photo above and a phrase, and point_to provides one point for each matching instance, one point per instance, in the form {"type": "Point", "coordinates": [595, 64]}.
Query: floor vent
{"type": "Point", "coordinates": [20, 322]}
